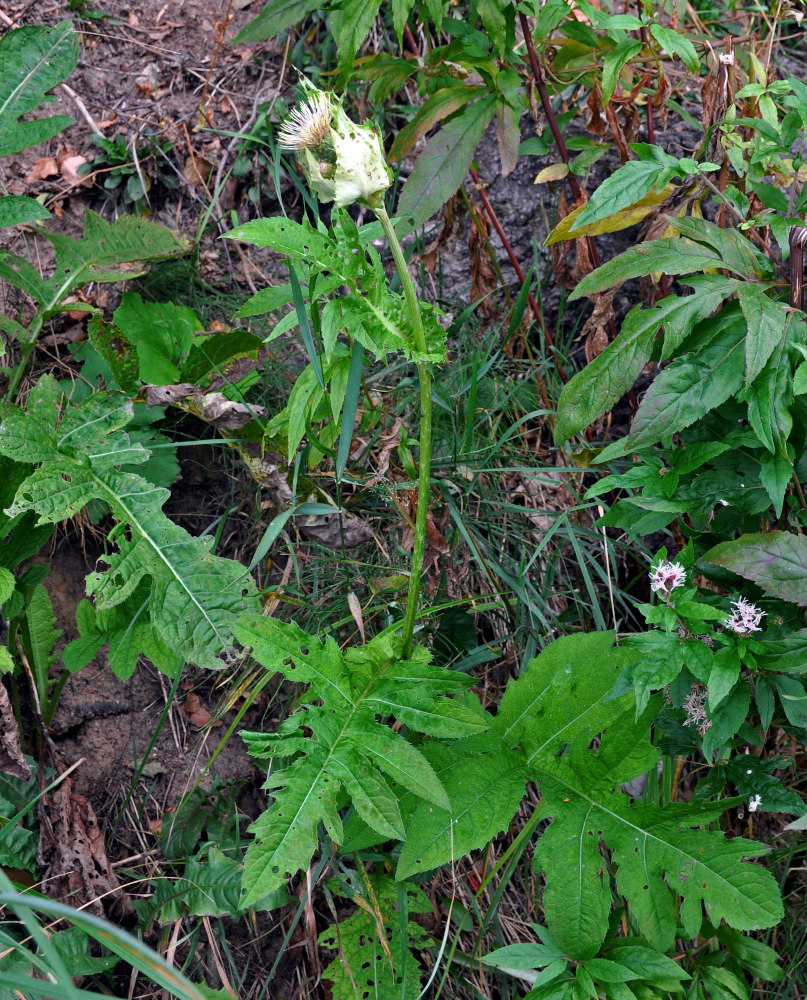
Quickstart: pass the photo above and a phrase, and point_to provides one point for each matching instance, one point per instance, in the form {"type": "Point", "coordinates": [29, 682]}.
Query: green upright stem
{"type": "Point", "coordinates": [424, 469]}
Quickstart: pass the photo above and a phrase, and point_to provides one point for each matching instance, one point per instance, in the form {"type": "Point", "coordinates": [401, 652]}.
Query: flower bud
{"type": "Point", "coordinates": [344, 162]}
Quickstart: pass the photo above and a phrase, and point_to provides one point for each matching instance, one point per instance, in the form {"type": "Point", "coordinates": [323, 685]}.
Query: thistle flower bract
{"type": "Point", "coordinates": [344, 162]}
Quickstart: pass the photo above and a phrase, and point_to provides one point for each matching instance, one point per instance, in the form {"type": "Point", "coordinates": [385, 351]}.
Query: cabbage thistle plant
{"type": "Point", "coordinates": [344, 163]}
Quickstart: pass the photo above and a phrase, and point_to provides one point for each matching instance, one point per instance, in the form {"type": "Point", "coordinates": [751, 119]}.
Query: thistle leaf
{"type": "Point", "coordinates": [347, 747]}
{"type": "Point", "coordinates": [195, 597]}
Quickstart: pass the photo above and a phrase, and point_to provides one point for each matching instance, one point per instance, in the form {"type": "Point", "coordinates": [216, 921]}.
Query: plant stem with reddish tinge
{"type": "Point", "coordinates": [517, 268]}
{"type": "Point", "coordinates": [577, 191]}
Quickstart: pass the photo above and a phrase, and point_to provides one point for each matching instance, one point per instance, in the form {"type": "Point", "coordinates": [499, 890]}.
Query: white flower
{"type": "Point", "coordinates": [745, 617]}
{"type": "Point", "coordinates": [755, 803]}
{"type": "Point", "coordinates": [308, 125]}
{"type": "Point", "coordinates": [666, 577]}
{"type": "Point", "coordinates": [343, 162]}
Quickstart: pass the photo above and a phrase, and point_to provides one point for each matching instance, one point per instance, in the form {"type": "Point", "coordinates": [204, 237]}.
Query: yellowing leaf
{"type": "Point", "coordinates": [554, 172]}
{"type": "Point", "coordinates": [565, 229]}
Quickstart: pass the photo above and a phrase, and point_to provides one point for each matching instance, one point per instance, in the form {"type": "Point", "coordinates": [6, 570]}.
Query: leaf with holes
{"type": "Point", "coordinates": [195, 596]}
{"type": "Point", "coordinates": [347, 747]}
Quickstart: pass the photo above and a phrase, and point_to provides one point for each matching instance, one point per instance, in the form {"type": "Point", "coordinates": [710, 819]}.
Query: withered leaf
{"type": "Point", "coordinates": [72, 854]}
{"type": "Point", "coordinates": [12, 760]}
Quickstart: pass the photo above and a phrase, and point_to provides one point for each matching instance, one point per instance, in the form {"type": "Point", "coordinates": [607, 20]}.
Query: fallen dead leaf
{"type": "Point", "coordinates": [195, 711]}
{"type": "Point", "coordinates": [72, 855]}
{"type": "Point", "coordinates": [196, 170]}
{"type": "Point", "coordinates": [12, 760]}
{"type": "Point", "coordinates": [69, 171]}
{"type": "Point", "coordinates": [214, 407]}
{"type": "Point", "coordinates": [147, 80]}
{"type": "Point", "coordinates": [44, 167]}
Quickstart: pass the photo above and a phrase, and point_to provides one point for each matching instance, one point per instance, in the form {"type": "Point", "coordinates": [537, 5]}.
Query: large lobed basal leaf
{"type": "Point", "coordinates": [195, 597]}
{"type": "Point", "coordinates": [559, 725]}
{"type": "Point", "coordinates": [557, 709]}
{"type": "Point", "coordinates": [348, 752]}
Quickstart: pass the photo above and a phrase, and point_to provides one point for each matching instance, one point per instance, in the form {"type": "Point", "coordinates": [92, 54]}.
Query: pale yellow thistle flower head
{"type": "Point", "coordinates": [344, 162]}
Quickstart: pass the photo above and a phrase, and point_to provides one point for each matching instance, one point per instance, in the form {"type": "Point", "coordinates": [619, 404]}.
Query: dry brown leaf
{"type": "Point", "coordinates": [617, 132]}
{"type": "Point", "coordinates": [12, 760]}
{"type": "Point", "coordinates": [72, 855]}
{"type": "Point", "coordinates": [195, 711]}
{"type": "Point", "coordinates": [484, 279]}
{"type": "Point", "coordinates": [44, 167]}
{"type": "Point", "coordinates": [595, 327]}
{"type": "Point", "coordinates": [214, 407]}
{"type": "Point", "coordinates": [196, 170]}
{"type": "Point", "coordinates": [335, 530]}
{"type": "Point", "coordinates": [663, 92]}
{"type": "Point", "coordinates": [595, 123]}
{"type": "Point", "coordinates": [447, 232]}
{"type": "Point", "coordinates": [69, 171]}
{"type": "Point", "coordinates": [147, 80]}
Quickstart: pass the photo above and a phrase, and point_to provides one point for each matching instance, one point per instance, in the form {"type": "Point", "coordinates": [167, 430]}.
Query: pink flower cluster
{"type": "Point", "coordinates": [745, 617]}
{"type": "Point", "coordinates": [666, 577]}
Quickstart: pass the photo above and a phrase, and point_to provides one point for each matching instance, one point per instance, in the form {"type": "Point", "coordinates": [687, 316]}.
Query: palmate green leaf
{"type": "Point", "coordinates": [347, 748]}
{"type": "Point", "coordinates": [676, 44]}
{"type": "Point", "coordinates": [296, 240]}
{"type": "Point", "coordinates": [735, 249]}
{"type": "Point", "coordinates": [627, 185]}
{"type": "Point", "coordinates": [208, 886]}
{"type": "Point", "coordinates": [484, 781]}
{"type": "Point", "coordinates": [655, 850]}
{"type": "Point", "coordinates": [444, 163]}
{"type": "Point", "coordinates": [440, 105]}
{"type": "Point", "coordinates": [774, 560]}
{"type": "Point", "coordinates": [195, 597]}
{"type": "Point", "coordinates": [18, 272]}
{"type": "Point", "coordinates": [613, 64]}
{"type": "Point", "coordinates": [275, 17]}
{"type": "Point", "coordinates": [491, 14]}
{"type": "Point", "coordinates": [401, 9]}
{"type": "Point", "coordinates": [672, 255]}
{"type": "Point", "coordinates": [109, 251]}
{"type": "Point", "coordinates": [767, 321]}
{"type": "Point", "coordinates": [595, 389]}
{"type": "Point", "coordinates": [33, 60]}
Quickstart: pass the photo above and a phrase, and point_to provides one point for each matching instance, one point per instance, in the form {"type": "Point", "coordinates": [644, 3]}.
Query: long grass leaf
{"type": "Point", "coordinates": [349, 408]}
{"type": "Point", "coordinates": [305, 326]}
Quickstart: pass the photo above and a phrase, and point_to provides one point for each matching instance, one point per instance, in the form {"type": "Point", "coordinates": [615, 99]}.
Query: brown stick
{"type": "Point", "coordinates": [509, 250]}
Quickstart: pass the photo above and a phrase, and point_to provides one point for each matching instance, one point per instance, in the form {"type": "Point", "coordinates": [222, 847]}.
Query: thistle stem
{"type": "Point", "coordinates": [424, 466]}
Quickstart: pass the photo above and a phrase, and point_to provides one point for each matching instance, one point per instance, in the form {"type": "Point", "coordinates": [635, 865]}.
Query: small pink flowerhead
{"type": "Point", "coordinates": [666, 577]}
{"type": "Point", "coordinates": [745, 617]}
